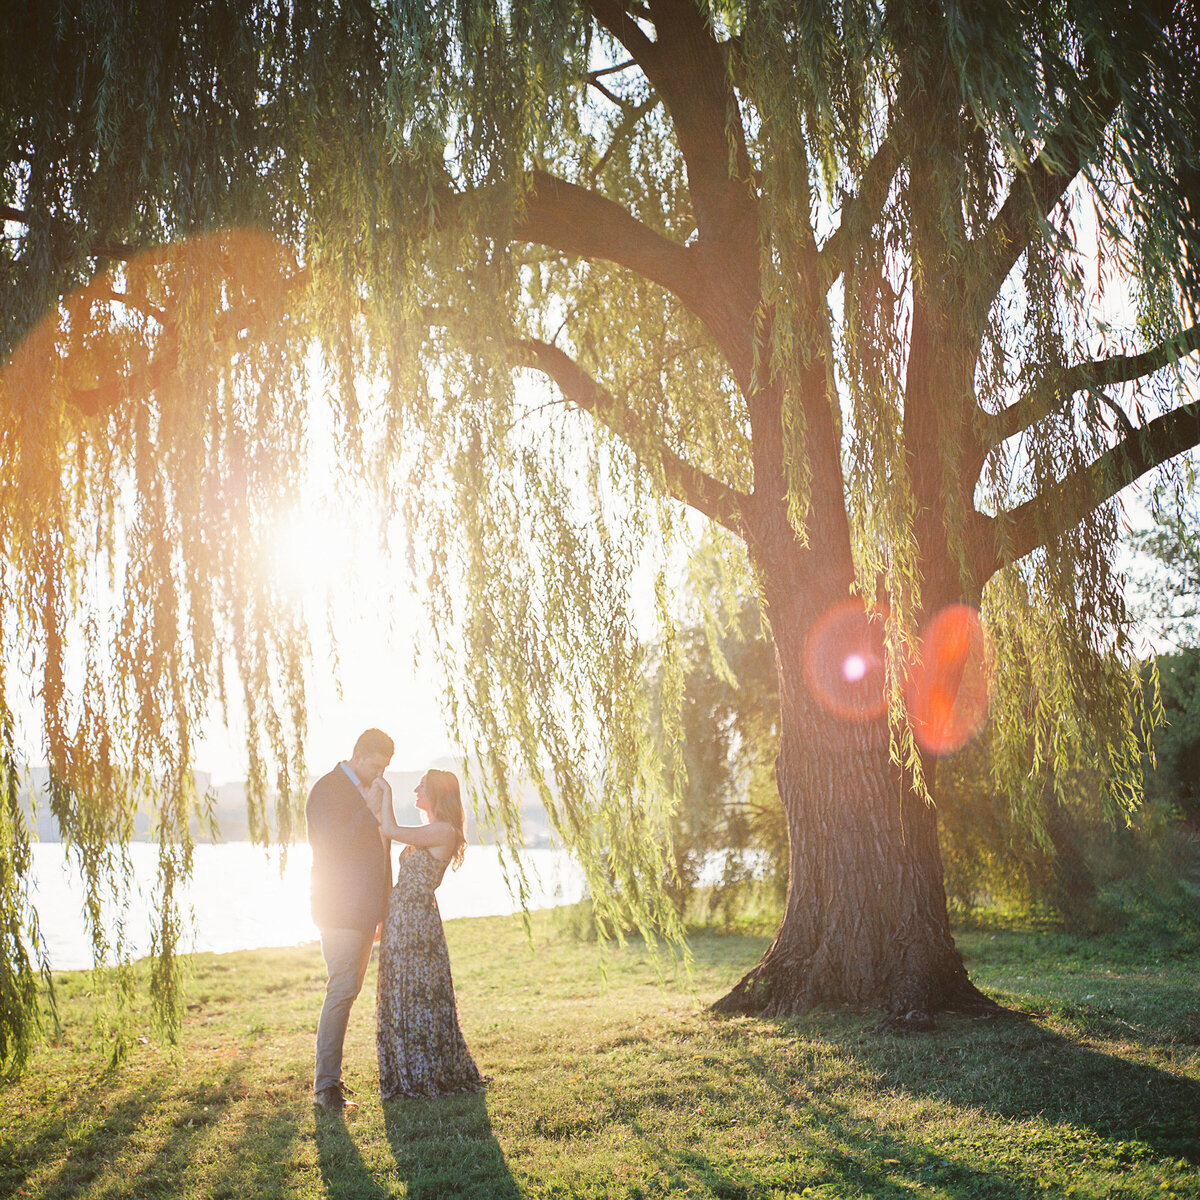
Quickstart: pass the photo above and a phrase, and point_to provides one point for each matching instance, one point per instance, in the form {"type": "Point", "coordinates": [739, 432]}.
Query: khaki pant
{"type": "Point", "coordinates": [347, 953]}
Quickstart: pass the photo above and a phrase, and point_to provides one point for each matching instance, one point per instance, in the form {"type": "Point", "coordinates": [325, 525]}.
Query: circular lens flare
{"type": "Point", "coordinates": [844, 662]}
{"type": "Point", "coordinates": [948, 685]}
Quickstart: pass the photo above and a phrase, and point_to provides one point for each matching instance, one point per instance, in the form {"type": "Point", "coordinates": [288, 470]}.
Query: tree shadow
{"type": "Point", "coordinates": [1144, 1113]}
{"type": "Point", "coordinates": [260, 1161]}
{"type": "Point", "coordinates": [1016, 1068]}
{"type": "Point", "coordinates": [1021, 1069]}
{"type": "Point", "coordinates": [446, 1147]}
{"type": "Point", "coordinates": [91, 1152]}
{"type": "Point", "coordinates": [847, 1156]}
{"type": "Point", "coordinates": [256, 1162]}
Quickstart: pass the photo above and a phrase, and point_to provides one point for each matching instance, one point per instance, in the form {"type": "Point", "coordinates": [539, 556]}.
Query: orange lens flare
{"type": "Point", "coordinates": [844, 662]}
{"type": "Point", "coordinates": [947, 687]}
{"type": "Point", "coordinates": [115, 336]}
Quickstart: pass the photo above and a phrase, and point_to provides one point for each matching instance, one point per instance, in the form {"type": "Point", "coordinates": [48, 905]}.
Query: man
{"type": "Point", "coordinates": [351, 878]}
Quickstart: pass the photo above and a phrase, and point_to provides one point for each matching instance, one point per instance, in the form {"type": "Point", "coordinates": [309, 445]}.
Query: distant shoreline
{"type": "Point", "coordinates": [229, 810]}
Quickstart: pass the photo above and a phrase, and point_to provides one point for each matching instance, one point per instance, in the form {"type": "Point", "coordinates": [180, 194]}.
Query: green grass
{"type": "Point", "coordinates": [626, 1087]}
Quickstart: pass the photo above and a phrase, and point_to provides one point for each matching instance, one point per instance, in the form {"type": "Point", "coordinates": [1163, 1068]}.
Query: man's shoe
{"type": "Point", "coordinates": [333, 1099]}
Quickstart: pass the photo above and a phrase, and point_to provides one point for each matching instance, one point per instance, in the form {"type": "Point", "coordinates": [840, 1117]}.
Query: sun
{"type": "Point", "coordinates": [314, 551]}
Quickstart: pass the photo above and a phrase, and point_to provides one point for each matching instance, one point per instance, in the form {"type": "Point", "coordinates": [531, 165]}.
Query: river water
{"type": "Point", "coordinates": [239, 899]}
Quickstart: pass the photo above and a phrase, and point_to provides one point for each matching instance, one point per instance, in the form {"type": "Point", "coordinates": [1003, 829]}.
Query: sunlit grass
{"type": "Point", "coordinates": [624, 1086]}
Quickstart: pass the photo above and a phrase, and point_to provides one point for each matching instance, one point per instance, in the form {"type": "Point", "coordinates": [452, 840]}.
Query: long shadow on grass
{"type": "Point", "coordinates": [1011, 1067]}
{"type": "Point", "coordinates": [95, 1142]}
{"type": "Point", "coordinates": [260, 1160]}
{"type": "Point", "coordinates": [822, 1142]}
{"type": "Point", "coordinates": [842, 1155]}
{"type": "Point", "coordinates": [343, 1171]}
{"type": "Point", "coordinates": [99, 1121]}
{"type": "Point", "coordinates": [1018, 1069]}
{"type": "Point", "coordinates": [446, 1147]}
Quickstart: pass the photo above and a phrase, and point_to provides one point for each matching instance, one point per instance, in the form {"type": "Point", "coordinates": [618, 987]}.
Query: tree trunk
{"type": "Point", "coordinates": [865, 921]}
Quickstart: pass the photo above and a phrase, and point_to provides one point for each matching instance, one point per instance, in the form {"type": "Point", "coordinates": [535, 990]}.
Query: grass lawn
{"type": "Point", "coordinates": [624, 1086]}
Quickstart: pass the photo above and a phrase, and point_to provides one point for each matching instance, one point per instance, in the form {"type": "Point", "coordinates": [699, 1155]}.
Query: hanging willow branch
{"type": "Point", "coordinates": [796, 269]}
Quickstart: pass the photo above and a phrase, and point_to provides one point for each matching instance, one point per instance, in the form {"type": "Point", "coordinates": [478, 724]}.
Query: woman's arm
{"type": "Point", "coordinates": [438, 834]}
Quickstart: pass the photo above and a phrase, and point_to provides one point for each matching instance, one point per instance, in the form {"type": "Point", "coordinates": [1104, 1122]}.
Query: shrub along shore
{"type": "Point", "coordinates": [618, 1083]}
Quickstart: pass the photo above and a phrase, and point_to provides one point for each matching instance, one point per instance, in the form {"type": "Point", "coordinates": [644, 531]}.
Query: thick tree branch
{"type": "Point", "coordinates": [1060, 507]}
{"type": "Point", "coordinates": [616, 18]}
{"type": "Point", "coordinates": [684, 481]}
{"type": "Point", "coordinates": [227, 327]}
{"type": "Point", "coordinates": [565, 216]}
{"type": "Point", "coordinates": [1033, 198]}
{"type": "Point", "coordinates": [113, 250]}
{"type": "Point", "coordinates": [863, 209]}
{"type": "Point", "coordinates": [687, 67]}
{"type": "Point", "coordinates": [574, 220]}
{"type": "Point", "coordinates": [1057, 388]}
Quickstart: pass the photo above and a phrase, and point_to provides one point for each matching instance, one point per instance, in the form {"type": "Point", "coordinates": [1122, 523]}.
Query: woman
{"type": "Point", "coordinates": [417, 1035]}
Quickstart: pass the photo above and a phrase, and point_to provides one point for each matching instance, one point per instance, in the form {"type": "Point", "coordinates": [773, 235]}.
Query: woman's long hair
{"type": "Point", "coordinates": [442, 788]}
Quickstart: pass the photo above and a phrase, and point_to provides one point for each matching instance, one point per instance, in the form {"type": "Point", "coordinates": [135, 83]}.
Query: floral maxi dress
{"type": "Point", "coordinates": [417, 1035]}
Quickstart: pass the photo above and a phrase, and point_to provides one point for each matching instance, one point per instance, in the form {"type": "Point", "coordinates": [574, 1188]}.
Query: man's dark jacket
{"type": "Point", "coordinates": [351, 870]}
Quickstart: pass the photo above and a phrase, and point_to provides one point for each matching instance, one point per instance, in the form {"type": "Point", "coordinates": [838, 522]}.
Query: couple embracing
{"type": "Point", "coordinates": [351, 826]}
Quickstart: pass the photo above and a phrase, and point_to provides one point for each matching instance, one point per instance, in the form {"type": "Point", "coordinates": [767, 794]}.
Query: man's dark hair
{"type": "Point", "coordinates": [374, 741]}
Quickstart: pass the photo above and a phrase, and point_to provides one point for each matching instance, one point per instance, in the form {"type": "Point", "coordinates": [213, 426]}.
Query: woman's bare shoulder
{"type": "Point", "coordinates": [447, 839]}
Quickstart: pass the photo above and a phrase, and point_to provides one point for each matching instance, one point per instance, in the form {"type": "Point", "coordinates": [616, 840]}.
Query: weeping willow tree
{"type": "Point", "coordinates": [896, 297]}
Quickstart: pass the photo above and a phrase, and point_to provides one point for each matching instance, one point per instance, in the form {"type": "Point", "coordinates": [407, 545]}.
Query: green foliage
{"type": "Point", "coordinates": [1059, 849]}
{"type": "Point", "coordinates": [995, 855]}
{"type": "Point", "coordinates": [1054, 849]}
{"type": "Point", "coordinates": [132, 586]}
{"type": "Point", "coordinates": [1175, 777]}
{"type": "Point", "coordinates": [1166, 579]}
{"type": "Point", "coordinates": [824, 274]}
{"type": "Point", "coordinates": [144, 459]}
{"type": "Point", "coordinates": [1167, 576]}
{"type": "Point", "coordinates": [728, 835]}
{"type": "Point", "coordinates": [19, 932]}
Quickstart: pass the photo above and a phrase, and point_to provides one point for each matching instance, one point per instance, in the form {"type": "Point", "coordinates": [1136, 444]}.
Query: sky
{"type": "Point", "coordinates": [378, 688]}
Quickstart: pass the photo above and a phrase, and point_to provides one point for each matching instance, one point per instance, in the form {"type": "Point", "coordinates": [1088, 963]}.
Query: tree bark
{"type": "Point", "coordinates": [865, 921]}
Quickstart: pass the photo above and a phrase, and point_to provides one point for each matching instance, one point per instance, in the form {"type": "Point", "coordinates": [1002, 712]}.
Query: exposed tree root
{"type": "Point", "coordinates": [762, 993]}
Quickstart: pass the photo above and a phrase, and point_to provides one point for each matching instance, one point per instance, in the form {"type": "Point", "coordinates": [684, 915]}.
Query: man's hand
{"type": "Point", "coordinates": [376, 795]}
